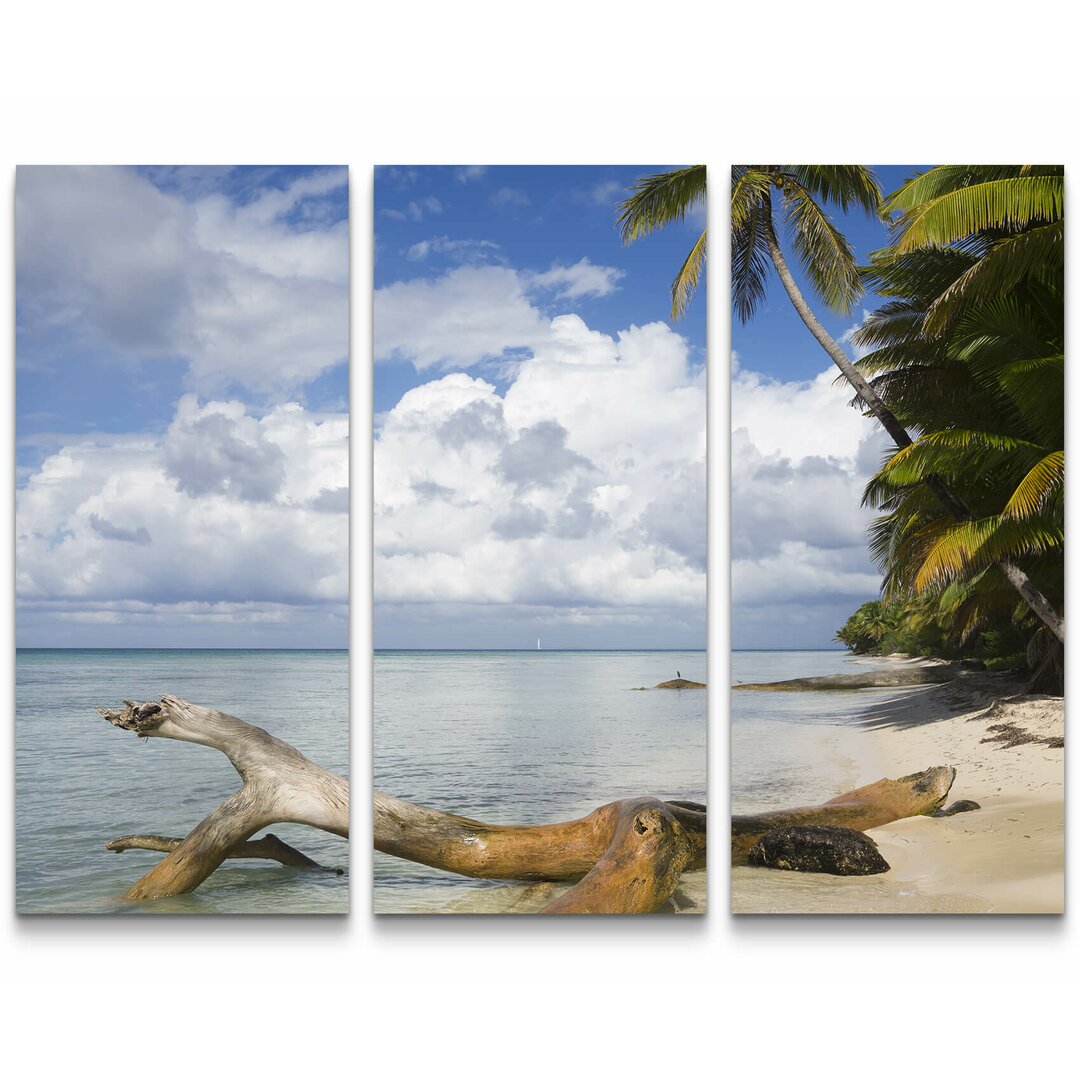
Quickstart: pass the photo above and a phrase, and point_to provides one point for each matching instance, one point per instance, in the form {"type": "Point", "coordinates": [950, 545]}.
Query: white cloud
{"type": "Point", "coordinates": [508, 198]}
{"type": "Point", "coordinates": [801, 457]}
{"type": "Point", "coordinates": [606, 192]}
{"type": "Point", "coordinates": [255, 294]}
{"type": "Point", "coordinates": [477, 313]}
{"type": "Point", "coordinates": [578, 281]}
{"type": "Point", "coordinates": [240, 519]}
{"type": "Point", "coordinates": [468, 315]}
{"type": "Point", "coordinates": [581, 489]}
{"type": "Point", "coordinates": [463, 251]}
{"type": "Point", "coordinates": [467, 173]}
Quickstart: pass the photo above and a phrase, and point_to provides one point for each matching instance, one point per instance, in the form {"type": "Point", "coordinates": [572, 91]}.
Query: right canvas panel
{"type": "Point", "coordinates": [898, 433]}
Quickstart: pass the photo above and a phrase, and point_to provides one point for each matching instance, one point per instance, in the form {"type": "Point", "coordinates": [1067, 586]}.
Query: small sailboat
{"type": "Point", "coordinates": [538, 645]}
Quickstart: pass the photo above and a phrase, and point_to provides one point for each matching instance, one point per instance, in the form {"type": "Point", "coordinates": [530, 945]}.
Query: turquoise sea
{"type": "Point", "coordinates": [81, 782]}
{"type": "Point", "coordinates": [527, 737]}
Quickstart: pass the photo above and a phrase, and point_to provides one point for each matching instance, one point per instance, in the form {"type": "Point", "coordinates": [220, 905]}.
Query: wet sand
{"type": "Point", "coordinates": [1007, 857]}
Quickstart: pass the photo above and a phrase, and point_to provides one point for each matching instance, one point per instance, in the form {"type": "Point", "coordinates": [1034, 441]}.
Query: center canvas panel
{"type": "Point", "coordinates": [540, 539]}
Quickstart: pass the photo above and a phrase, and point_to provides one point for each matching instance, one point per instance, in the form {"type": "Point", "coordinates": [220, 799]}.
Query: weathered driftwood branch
{"type": "Point", "coordinates": [626, 857]}
{"type": "Point", "coordinates": [266, 847]}
{"type": "Point", "coordinates": [279, 784]}
{"type": "Point", "coordinates": [867, 807]}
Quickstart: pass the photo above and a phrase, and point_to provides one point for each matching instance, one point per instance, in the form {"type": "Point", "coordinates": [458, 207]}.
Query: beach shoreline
{"type": "Point", "coordinates": [1005, 858]}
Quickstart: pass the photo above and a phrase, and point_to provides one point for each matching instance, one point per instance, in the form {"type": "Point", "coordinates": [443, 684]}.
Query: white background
{"type": "Point", "coordinates": [556, 82]}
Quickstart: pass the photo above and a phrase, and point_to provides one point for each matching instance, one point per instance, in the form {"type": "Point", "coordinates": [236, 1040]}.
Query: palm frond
{"type": "Point", "coordinates": [1007, 204]}
{"type": "Point", "coordinates": [841, 185]}
{"type": "Point", "coordinates": [826, 256]}
{"type": "Point", "coordinates": [985, 540]}
{"type": "Point", "coordinates": [659, 200]}
{"type": "Point", "coordinates": [749, 188]}
{"type": "Point", "coordinates": [1000, 270]}
{"type": "Point", "coordinates": [750, 263]}
{"type": "Point", "coordinates": [685, 284]}
{"type": "Point", "coordinates": [1045, 479]}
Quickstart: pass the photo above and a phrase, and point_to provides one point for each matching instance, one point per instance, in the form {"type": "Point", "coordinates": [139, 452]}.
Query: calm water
{"type": "Point", "coordinates": [81, 782]}
{"type": "Point", "coordinates": [523, 737]}
{"type": "Point", "coordinates": [778, 739]}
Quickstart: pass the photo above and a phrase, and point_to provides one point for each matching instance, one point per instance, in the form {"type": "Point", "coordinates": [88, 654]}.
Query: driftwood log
{"type": "Point", "coordinates": [626, 857]}
{"type": "Point", "coordinates": [279, 784]}
{"type": "Point", "coordinates": [864, 808]}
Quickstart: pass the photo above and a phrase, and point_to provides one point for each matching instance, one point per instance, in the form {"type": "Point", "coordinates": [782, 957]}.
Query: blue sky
{"type": "Point", "coordinates": [800, 459]}
{"type": "Point", "coordinates": [535, 218]}
{"type": "Point", "coordinates": [181, 406]}
{"type": "Point", "coordinates": [539, 460]}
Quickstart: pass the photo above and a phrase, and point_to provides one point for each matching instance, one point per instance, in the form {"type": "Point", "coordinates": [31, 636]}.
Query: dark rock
{"type": "Point", "coordinates": [820, 849]}
{"type": "Point", "coordinates": [961, 806]}
{"type": "Point", "coordinates": [972, 665]}
{"type": "Point", "coordinates": [680, 684]}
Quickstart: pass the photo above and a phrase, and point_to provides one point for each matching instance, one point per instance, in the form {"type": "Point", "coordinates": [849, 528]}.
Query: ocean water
{"type": "Point", "coordinates": [527, 737]}
{"type": "Point", "coordinates": [80, 782]}
{"type": "Point", "coordinates": [785, 749]}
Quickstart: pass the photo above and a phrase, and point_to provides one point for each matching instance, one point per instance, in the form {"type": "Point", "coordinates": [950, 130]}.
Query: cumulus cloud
{"type": "Point", "coordinates": [218, 448]}
{"type": "Point", "coordinates": [476, 313]}
{"type": "Point", "coordinates": [800, 459]}
{"type": "Point", "coordinates": [549, 496]}
{"type": "Point", "coordinates": [250, 293]}
{"type": "Point", "coordinates": [256, 516]}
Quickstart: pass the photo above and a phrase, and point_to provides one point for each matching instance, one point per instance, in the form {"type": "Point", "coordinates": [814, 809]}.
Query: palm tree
{"type": "Point", "coordinates": [826, 257]}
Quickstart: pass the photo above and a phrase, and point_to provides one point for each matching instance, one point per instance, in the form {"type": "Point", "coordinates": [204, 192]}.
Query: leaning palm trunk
{"type": "Point", "coordinates": [1035, 600]}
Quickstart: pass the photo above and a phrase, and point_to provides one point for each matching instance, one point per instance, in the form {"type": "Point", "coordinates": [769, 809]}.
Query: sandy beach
{"type": "Point", "coordinates": [1005, 858]}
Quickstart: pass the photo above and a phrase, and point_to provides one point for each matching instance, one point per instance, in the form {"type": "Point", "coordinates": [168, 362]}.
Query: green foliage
{"type": "Point", "coordinates": [968, 353]}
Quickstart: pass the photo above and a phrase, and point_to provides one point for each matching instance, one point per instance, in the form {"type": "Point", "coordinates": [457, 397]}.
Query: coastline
{"type": "Point", "coordinates": [1005, 858]}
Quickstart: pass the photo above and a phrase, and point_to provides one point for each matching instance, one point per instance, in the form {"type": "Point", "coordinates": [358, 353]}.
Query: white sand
{"type": "Point", "coordinates": [1006, 857]}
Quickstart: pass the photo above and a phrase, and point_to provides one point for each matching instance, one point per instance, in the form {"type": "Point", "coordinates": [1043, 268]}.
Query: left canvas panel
{"type": "Point", "coordinates": [182, 539]}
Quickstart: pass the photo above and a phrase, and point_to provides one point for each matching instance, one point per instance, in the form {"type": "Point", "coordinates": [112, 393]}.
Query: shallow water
{"type": "Point", "coordinates": [524, 737]}
{"type": "Point", "coordinates": [782, 753]}
{"type": "Point", "coordinates": [81, 782]}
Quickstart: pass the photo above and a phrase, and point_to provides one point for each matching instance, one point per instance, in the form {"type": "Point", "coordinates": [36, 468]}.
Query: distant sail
{"type": "Point", "coordinates": [537, 644]}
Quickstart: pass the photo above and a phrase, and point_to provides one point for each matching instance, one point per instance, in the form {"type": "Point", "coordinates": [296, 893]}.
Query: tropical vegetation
{"type": "Point", "coordinates": [968, 352]}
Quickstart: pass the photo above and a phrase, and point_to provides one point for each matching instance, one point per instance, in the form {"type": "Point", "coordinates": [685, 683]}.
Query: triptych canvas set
{"type": "Point", "coordinates": [541, 428]}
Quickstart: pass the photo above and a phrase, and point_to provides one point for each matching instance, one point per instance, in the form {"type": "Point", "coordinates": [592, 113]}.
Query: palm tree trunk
{"type": "Point", "coordinates": [1035, 600]}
